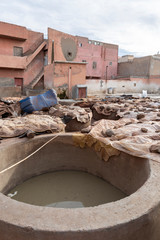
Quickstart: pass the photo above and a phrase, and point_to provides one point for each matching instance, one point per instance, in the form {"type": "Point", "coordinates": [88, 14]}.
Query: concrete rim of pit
{"type": "Point", "coordinates": [139, 205]}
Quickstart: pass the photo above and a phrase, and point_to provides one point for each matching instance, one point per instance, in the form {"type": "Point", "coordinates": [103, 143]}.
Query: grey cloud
{"type": "Point", "coordinates": [112, 21]}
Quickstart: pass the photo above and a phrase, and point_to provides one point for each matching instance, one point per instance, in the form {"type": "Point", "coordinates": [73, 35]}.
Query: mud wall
{"type": "Point", "coordinates": [137, 67]}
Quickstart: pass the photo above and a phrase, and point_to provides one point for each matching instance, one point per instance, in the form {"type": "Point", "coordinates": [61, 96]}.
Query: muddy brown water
{"type": "Point", "coordinates": [66, 189]}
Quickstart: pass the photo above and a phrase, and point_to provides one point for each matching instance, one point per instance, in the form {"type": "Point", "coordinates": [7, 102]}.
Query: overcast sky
{"type": "Point", "coordinates": [132, 24]}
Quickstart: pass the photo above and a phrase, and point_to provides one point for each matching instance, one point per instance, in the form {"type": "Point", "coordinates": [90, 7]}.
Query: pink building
{"type": "Point", "coordinates": [63, 71]}
{"type": "Point", "coordinates": [102, 58]}
{"type": "Point", "coordinates": [28, 62]}
{"type": "Point", "coordinates": [21, 59]}
{"type": "Point", "coordinates": [75, 58]}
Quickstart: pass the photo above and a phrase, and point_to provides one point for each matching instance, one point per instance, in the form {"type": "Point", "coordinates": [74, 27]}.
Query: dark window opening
{"type": "Point", "coordinates": [110, 63]}
{"type": "Point", "coordinates": [19, 83]}
{"type": "Point", "coordinates": [84, 61]}
{"type": "Point", "coordinates": [18, 51]}
{"type": "Point", "coordinates": [80, 44]}
{"type": "Point", "coordinates": [92, 77]}
{"type": "Point", "coordinates": [94, 65]}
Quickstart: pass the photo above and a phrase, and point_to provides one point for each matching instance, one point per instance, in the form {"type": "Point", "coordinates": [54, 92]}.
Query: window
{"type": "Point", "coordinates": [90, 42]}
{"type": "Point", "coordinates": [94, 65]}
{"type": "Point", "coordinates": [80, 44]}
{"type": "Point", "coordinates": [96, 43]}
{"type": "Point", "coordinates": [18, 51]}
{"type": "Point", "coordinates": [110, 63]}
{"type": "Point", "coordinates": [45, 60]}
{"type": "Point", "coordinates": [84, 61]}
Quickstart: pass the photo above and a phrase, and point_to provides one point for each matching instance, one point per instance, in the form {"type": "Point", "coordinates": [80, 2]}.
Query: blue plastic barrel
{"type": "Point", "coordinates": [37, 103]}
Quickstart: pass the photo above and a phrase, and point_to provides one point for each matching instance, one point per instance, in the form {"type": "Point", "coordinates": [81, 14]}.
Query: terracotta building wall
{"type": "Point", "coordinates": [62, 71]}
{"type": "Point", "coordinates": [34, 39]}
{"type": "Point", "coordinates": [7, 78]}
{"type": "Point", "coordinates": [33, 68]}
{"type": "Point", "coordinates": [13, 31]}
{"type": "Point", "coordinates": [104, 55]}
{"type": "Point", "coordinates": [111, 61]}
{"type": "Point", "coordinates": [7, 44]}
{"type": "Point", "coordinates": [12, 36]}
{"type": "Point", "coordinates": [68, 75]}
{"type": "Point", "coordinates": [4, 73]}
{"type": "Point", "coordinates": [56, 48]}
{"type": "Point", "coordinates": [48, 76]}
{"type": "Point", "coordinates": [24, 66]}
{"type": "Point", "coordinates": [66, 54]}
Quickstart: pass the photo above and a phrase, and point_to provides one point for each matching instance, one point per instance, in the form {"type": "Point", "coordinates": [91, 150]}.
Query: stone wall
{"type": "Point", "coordinates": [10, 92]}
{"type": "Point", "coordinates": [137, 67]}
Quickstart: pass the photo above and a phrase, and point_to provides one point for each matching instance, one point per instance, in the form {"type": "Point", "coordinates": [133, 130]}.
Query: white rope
{"type": "Point", "coordinates": [24, 159]}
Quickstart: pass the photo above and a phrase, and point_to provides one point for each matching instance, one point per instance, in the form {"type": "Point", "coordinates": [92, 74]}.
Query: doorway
{"type": "Point", "coordinates": [19, 83]}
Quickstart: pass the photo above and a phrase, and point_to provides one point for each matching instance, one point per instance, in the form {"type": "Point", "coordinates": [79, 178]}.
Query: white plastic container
{"type": "Point", "coordinates": [110, 90]}
{"type": "Point", "coordinates": [144, 93]}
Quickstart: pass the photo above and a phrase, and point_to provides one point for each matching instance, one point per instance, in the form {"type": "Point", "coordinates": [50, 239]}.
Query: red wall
{"type": "Point", "coordinates": [56, 36]}
{"type": "Point", "coordinates": [12, 30]}
{"type": "Point", "coordinates": [6, 45]}
{"type": "Point", "coordinates": [13, 35]}
{"type": "Point", "coordinates": [33, 68]}
{"type": "Point", "coordinates": [61, 74]}
{"type": "Point", "coordinates": [57, 73]}
{"type": "Point", "coordinates": [101, 54]}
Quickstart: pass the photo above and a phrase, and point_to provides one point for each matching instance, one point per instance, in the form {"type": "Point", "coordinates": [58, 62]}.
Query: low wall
{"type": "Point", "coordinates": [7, 82]}
{"type": "Point", "coordinates": [10, 92]}
{"type": "Point", "coordinates": [96, 86]}
{"type": "Point", "coordinates": [133, 85]}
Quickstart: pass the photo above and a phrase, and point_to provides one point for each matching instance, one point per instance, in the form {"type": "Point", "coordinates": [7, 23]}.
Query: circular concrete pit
{"type": "Point", "coordinates": [136, 216]}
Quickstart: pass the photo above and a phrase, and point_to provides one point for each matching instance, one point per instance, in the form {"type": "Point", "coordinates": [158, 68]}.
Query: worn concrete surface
{"type": "Point", "coordinates": [134, 217]}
